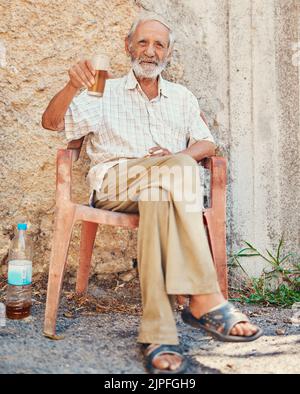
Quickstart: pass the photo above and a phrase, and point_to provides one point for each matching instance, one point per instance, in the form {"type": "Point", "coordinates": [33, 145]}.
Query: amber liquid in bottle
{"type": "Point", "coordinates": [18, 312]}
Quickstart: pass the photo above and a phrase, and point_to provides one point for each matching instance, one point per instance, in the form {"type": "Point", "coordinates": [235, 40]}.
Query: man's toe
{"type": "Point", "coordinates": [233, 331]}
{"type": "Point", "coordinates": [171, 362]}
{"type": "Point", "coordinates": [161, 363]}
{"type": "Point", "coordinates": [244, 329]}
{"type": "Point", "coordinates": [247, 331]}
{"type": "Point", "coordinates": [175, 365]}
{"type": "Point", "coordinates": [174, 362]}
{"type": "Point", "coordinates": [253, 329]}
{"type": "Point", "coordinates": [239, 330]}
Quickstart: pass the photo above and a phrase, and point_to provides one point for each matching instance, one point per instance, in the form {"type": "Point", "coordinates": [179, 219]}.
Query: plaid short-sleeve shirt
{"type": "Point", "coordinates": [125, 124]}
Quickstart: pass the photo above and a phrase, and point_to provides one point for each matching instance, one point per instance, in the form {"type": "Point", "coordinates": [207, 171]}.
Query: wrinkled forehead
{"type": "Point", "coordinates": [153, 30]}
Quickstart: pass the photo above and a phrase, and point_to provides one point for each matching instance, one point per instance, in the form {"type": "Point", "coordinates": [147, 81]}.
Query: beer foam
{"type": "Point", "coordinates": [100, 61]}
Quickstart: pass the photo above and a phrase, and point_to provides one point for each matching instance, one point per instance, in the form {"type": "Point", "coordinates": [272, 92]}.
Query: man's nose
{"type": "Point", "coordinates": [150, 51]}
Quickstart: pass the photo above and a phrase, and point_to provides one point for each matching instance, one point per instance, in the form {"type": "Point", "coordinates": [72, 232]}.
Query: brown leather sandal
{"type": "Point", "coordinates": [219, 323]}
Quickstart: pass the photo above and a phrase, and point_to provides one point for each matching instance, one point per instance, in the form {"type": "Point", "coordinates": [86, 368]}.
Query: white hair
{"type": "Point", "coordinates": [152, 17]}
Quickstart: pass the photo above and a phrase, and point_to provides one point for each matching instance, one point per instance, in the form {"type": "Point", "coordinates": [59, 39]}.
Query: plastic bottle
{"type": "Point", "coordinates": [18, 298]}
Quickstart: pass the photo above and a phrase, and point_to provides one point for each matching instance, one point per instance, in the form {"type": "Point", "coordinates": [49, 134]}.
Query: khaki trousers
{"type": "Point", "coordinates": [173, 252]}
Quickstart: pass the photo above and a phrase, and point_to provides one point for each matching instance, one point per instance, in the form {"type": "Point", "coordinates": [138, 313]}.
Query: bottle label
{"type": "Point", "coordinates": [19, 272]}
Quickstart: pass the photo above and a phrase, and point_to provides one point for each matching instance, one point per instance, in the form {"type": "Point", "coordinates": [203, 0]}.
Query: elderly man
{"type": "Point", "coordinates": [141, 123]}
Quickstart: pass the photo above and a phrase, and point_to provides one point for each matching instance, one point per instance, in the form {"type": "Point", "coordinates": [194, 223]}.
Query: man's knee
{"type": "Point", "coordinates": [183, 181]}
{"type": "Point", "coordinates": [183, 160]}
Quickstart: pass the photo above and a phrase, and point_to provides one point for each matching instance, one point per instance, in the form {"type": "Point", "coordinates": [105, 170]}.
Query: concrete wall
{"type": "Point", "coordinates": [240, 57]}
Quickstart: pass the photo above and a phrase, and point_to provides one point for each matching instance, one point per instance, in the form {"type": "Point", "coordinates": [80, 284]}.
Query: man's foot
{"type": "Point", "coordinates": [164, 358]}
{"type": "Point", "coordinates": [202, 304]}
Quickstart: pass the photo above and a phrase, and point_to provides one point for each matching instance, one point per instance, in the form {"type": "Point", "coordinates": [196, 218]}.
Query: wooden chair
{"type": "Point", "coordinates": [68, 212]}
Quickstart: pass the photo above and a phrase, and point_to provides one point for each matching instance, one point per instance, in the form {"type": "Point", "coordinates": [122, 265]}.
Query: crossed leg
{"type": "Point", "coordinates": [173, 251]}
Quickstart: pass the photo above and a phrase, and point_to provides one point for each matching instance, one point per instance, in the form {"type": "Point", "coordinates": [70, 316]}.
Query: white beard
{"type": "Point", "coordinates": [148, 72]}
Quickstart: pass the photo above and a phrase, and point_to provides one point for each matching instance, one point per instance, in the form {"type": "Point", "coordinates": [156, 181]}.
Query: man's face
{"type": "Point", "coordinates": [149, 49]}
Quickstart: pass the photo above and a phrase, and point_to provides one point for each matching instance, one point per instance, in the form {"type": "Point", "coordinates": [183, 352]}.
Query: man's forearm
{"type": "Point", "coordinates": [53, 117]}
{"type": "Point", "coordinates": [201, 149]}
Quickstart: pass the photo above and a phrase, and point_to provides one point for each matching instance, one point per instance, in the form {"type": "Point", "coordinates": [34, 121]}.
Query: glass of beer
{"type": "Point", "coordinates": [100, 62]}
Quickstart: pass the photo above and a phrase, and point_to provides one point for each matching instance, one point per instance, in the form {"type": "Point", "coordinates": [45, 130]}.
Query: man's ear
{"type": "Point", "coordinates": [169, 56]}
{"type": "Point", "coordinates": [127, 46]}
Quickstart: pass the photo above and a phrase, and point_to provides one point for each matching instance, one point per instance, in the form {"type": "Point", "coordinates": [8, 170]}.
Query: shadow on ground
{"type": "Point", "coordinates": [100, 337]}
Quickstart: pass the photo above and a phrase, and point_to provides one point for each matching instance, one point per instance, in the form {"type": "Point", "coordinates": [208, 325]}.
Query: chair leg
{"type": "Point", "coordinates": [61, 240]}
{"type": "Point", "coordinates": [88, 235]}
{"type": "Point", "coordinates": [217, 241]}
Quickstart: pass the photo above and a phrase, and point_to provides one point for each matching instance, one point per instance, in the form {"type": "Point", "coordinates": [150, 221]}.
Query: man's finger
{"type": "Point", "coordinates": [159, 154]}
{"type": "Point", "coordinates": [80, 74]}
{"type": "Point", "coordinates": [155, 149]}
{"type": "Point", "coordinates": [84, 69]}
{"type": "Point", "coordinates": [90, 67]}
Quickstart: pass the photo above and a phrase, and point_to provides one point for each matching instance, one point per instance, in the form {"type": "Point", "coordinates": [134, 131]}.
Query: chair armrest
{"type": "Point", "coordinates": [218, 178]}
{"type": "Point", "coordinates": [75, 146]}
{"type": "Point", "coordinates": [64, 164]}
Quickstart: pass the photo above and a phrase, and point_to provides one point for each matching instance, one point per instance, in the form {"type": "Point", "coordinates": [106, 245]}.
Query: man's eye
{"type": "Point", "coordinates": [160, 45]}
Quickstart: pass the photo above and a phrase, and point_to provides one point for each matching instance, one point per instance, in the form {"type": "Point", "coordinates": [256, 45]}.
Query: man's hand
{"type": "Point", "coordinates": [158, 151]}
{"type": "Point", "coordinates": [200, 150]}
{"type": "Point", "coordinates": [82, 74]}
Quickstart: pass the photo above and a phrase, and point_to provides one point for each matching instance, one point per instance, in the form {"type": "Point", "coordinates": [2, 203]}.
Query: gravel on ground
{"type": "Point", "coordinates": [100, 333]}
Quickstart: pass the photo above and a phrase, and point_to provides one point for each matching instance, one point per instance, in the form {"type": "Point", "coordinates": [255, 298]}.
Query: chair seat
{"type": "Point", "coordinates": [103, 216]}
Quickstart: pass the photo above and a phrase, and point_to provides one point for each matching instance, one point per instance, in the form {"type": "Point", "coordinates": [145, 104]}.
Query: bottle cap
{"type": "Point", "coordinates": [22, 226]}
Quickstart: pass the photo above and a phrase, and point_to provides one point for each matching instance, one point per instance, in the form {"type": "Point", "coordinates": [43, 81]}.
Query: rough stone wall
{"type": "Point", "coordinates": [235, 55]}
{"type": "Point", "coordinates": [42, 40]}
